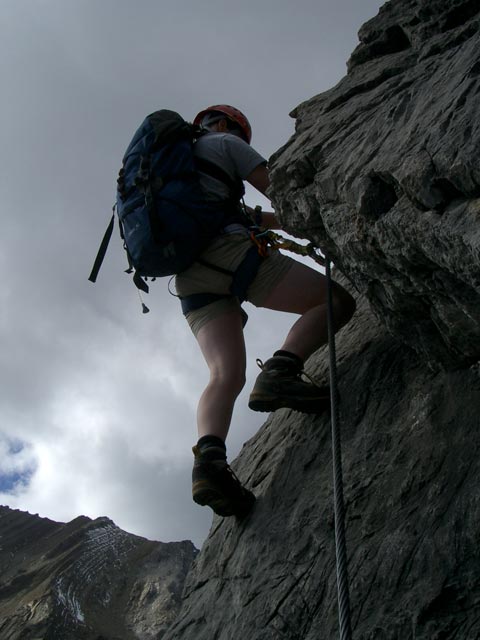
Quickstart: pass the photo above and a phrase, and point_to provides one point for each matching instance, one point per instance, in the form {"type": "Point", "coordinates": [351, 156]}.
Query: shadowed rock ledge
{"type": "Point", "coordinates": [383, 172]}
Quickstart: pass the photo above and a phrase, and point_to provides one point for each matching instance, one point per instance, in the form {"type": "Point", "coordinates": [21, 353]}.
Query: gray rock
{"type": "Point", "coordinates": [383, 173]}
{"type": "Point", "coordinates": [411, 468]}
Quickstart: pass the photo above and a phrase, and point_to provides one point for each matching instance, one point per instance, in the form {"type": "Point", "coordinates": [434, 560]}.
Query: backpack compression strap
{"type": "Point", "coordinates": [103, 249]}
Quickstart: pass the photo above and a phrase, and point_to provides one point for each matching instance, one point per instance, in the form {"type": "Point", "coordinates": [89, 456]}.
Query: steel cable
{"type": "Point", "coordinates": [339, 507]}
{"type": "Point", "coordinates": [343, 595]}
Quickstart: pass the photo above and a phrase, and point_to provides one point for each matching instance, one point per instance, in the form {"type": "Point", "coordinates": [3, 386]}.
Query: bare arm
{"type": "Point", "coordinates": [260, 180]}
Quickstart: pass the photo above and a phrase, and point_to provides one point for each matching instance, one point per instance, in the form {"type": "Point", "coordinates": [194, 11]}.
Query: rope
{"type": "Point", "coordinates": [339, 507]}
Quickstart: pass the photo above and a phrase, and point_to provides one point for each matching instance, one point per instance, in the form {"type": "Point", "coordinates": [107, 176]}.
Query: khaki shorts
{"type": "Point", "coordinates": [228, 251]}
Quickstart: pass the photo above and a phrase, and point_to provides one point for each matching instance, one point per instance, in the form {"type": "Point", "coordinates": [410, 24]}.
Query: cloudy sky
{"type": "Point", "coordinates": [97, 401]}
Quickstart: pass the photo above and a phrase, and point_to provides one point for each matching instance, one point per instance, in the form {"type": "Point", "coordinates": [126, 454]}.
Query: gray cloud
{"type": "Point", "coordinates": [102, 397]}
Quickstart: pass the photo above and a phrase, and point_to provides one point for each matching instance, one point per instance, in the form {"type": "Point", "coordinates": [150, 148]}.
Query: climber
{"type": "Point", "coordinates": [212, 308]}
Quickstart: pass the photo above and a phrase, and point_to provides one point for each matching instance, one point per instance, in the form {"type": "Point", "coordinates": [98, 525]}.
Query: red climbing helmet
{"type": "Point", "coordinates": [232, 114]}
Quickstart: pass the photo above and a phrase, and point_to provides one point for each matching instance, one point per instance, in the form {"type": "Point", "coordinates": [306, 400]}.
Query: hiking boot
{"type": "Point", "coordinates": [215, 484]}
{"type": "Point", "coordinates": [280, 385]}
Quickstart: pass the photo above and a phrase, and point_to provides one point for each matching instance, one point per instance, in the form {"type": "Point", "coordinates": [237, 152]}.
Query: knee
{"type": "Point", "coordinates": [231, 381]}
{"type": "Point", "coordinates": [344, 305]}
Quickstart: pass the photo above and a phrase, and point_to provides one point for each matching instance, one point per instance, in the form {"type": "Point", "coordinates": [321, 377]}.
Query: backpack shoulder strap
{"type": "Point", "coordinates": [212, 169]}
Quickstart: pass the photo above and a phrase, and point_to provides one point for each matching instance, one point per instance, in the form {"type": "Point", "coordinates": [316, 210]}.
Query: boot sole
{"type": "Point", "coordinates": [268, 404]}
{"type": "Point", "coordinates": [222, 507]}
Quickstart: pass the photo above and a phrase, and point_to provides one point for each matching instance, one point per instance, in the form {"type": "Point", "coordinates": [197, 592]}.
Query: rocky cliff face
{"type": "Point", "coordinates": [383, 172]}
{"type": "Point", "coordinates": [86, 580]}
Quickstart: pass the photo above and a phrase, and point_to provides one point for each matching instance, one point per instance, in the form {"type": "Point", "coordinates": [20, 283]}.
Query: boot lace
{"type": "Point", "coordinates": [301, 373]}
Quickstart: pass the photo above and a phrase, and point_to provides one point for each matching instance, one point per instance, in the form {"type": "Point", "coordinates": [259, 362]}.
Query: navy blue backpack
{"type": "Point", "coordinates": [165, 221]}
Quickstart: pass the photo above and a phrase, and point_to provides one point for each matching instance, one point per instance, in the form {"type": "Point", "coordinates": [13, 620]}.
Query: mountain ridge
{"type": "Point", "coordinates": [86, 579]}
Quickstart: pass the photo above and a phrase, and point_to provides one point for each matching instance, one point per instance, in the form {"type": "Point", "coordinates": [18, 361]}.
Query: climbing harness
{"type": "Point", "coordinates": [245, 273]}
{"type": "Point", "coordinates": [241, 277]}
{"type": "Point", "coordinates": [339, 507]}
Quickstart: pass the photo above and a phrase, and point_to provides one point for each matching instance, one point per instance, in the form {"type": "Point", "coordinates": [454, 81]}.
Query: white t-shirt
{"type": "Point", "coordinates": [232, 154]}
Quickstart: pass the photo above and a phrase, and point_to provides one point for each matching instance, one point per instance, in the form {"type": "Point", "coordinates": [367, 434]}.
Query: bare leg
{"type": "Point", "coordinates": [222, 343]}
{"type": "Point", "coordinates": [280, 384]}
{"type": "Point", "coordinates": [304, 291]}
{"type": "Point", "coordinates": [213, 483]}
